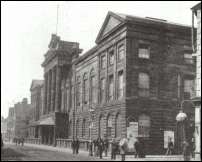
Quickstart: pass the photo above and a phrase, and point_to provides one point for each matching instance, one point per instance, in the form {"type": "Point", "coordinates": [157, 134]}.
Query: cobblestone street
{"type": "Point", "coordinates": [28, 153]}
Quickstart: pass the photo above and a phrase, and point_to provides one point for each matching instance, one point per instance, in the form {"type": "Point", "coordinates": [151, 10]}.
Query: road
{"type": "Point", "coordinates": [27, 153]}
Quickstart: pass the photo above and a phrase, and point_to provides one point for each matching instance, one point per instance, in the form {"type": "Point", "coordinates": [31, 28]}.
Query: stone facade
{"type": "Point", "coordinates": [10, 124]}
{"type": "Point", "coordinates": [196, 10]}
{"type": "Point", "coordinates": [100, 93]}
{"type": "Point", "coordinates": [4, 128]}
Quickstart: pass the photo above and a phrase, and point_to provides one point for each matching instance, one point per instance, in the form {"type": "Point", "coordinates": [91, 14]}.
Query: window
{"type": "Point", "coordinates": [109, 126]}
{"type": "Point", "coordinates": [72, 96]}
{"type": "Point", "coordinates": [111, 57]}
{"type": "Point", "coordinates": [120, 84]}
{"type": "Point", "coordinates": [101, 126]}
{"type": "Point", "coordinates": [143, 126]}
{"type": "Point", "coordinates": [85, 89]}
{"type": "Point", "coordinates": [77, 128]}
{"type": "Point", "coordinates": [93, 87]}
{"type": "Point", "coordinates": [143, 51]}
{"type": "Point", "coordinates": [120, 52]}
{"type": "Point", "coordinates": [102, 90]}
{"type": "Point", "coordinates": [111, 87]}
{"type": "Point", "coordinates": [188, 58]}
{"type": "Point", "coordinates": [78, 94]}
{"type": "Point", "coordinates": [188, 88]}
{"type": "Point", "coordinates": [70, 128]}
{"type": "Point", "coordinates": [118, 128]}
{"type": "Point", "coordinates": [143, 85]}
{"type": "Point", "coordinates": [83, 128]}
{"type": "Point", "coordinates": [103, 62]}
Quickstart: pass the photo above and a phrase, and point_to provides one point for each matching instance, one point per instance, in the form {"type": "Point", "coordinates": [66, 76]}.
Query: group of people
{"type": "Point", "coordinates": [75, 146]}
{"type": "Point", "coordinates": [19, 141]}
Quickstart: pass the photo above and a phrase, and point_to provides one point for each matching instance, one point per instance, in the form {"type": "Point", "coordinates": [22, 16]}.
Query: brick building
{"type": "Point", "coordinates": [139, 71]}
{"type": "Point", "coordinates": [196, 11]}
{"type": "Point", "coordinates": [4, 128]}
{"type": "Point", "coordinates": [20, 118]}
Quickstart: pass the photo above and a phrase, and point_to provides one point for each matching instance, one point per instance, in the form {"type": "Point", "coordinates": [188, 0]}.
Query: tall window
{"type": "Point", "coordinates": [144, 126]}
{"type": "Point", "coordinates": [111, 57]}
{"type": "Point", "coordinates": [109, 126]}
{"type": "Point", "coordinates": [103, 61]}
{"type": "Point", "coordinates": [85, 89]}
{"type": "Point", "coordinates": [111, 87]}
{"type": "Point", "coordinates": [70, 129]}
{"type": "Point", "coordinates": [101, 126]}
{"type": "Point", "coordinates": [78, 92]}
{"type": "Point", "coordinates": [120, 84]}
{"type": "Point", "coordinates": [93, 87]}
{"type": "Point", "coordinates": [120, 52]}
{"type": "Point", "coordinates": [143, 51]}
{"type": "Point", "coordinates": [188, 58]}
{"type": "Point", "coordinates": [102, 90]}
{"type": "Point", "coordinates": [83, 128]}
{"type": "Point", "coordinates": [118, 127]}
{"type": "Point", "coordinates": [188, 88]}
{"type": "Point", "coordinates": [143, 83]}
{"type": "Point", "coordinates": [72, 96]}
{"type": "Point", "coordinates": [77, 128]}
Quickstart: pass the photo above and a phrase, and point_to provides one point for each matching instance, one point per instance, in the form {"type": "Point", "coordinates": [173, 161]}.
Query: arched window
{"type": "Point", "coordinates": [101, 126]}
{"type": "Point", "coordinates": [77, 128]}
{"type": "Point", "coordinates": [144, 124]}
{"type": "Point", "coordinates": [83, 128]}
{"type": "Point", "coordinates": [92, 87]}
{"type": "Point", "coordinates": [118, 128]}
{"type": "Point", "coordinates": [85, 89]}
{"type": "Point", "coordinates": [109, 126]}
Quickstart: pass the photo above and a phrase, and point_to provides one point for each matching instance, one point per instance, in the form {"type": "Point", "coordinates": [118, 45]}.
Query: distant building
{"type": "Point", "coordinates": [4, 127]}
{"type": "Point", "coordinates": [36, 107]}
{"type": "Point", "coordinates": [196, 11]}
{"type": "Point", "coordinates": [10, 124]}
{"type": "Point", "coordinates": [19, 119]}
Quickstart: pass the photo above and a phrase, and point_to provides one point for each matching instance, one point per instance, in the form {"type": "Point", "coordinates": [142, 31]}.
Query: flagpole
{"type": "Point", "coordinates": [57, 19]}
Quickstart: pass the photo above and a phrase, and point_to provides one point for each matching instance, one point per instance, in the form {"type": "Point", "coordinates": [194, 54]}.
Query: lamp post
{"type": "Point", "coordinates": [91, 110]}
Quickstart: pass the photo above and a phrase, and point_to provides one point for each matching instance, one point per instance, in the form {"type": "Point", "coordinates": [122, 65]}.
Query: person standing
{"type": "Point", "coordinates": [170, 147]}
{"type": "Point", "coordinates": [22, 141]}
{"type": "Point", "coordinates": [73, 146]}
{"type": "Point", "coordinates": [90, 148]}
{"type": "Point", "coordinates": [113, 149]}
{"type": "Point", "coordinates": [123, 147]}
{"type": "Point", "coordinates": [106, 146]}
{"type": "Point", "coordinates": [186, 151]}
{"type": "Point", "coordinates": [77, 144]}
{"type": "Point", "coordinates": [100, 147]}
{"type": "Point", "coordinates": [137, 148]}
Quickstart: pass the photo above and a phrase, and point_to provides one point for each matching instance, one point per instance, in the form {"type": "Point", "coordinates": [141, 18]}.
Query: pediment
{"type": "Point", "coordinates": [111, 22]}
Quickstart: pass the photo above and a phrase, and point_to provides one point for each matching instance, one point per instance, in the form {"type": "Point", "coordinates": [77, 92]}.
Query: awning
{"type": "Point", "coordinates": [47, 121]}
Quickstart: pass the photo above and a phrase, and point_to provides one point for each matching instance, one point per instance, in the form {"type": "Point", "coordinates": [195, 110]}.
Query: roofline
{"type": "Point", "coordinates": [196, 7]}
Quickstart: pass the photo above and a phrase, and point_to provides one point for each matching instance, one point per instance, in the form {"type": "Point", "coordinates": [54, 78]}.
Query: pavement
{"type": "Point", "coordinates": [84, 153]}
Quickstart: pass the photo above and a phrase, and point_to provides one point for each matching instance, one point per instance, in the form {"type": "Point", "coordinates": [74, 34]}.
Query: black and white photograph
{"type": "Point", "coordinates": [100, 80]}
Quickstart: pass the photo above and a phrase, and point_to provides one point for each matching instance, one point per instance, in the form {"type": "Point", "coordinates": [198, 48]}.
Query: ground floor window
{"type": "Point", "coordinates": [144, 125]}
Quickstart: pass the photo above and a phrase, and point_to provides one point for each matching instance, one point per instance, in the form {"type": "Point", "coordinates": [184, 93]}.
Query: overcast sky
{"type": "Point", "coordinates": [27, 27]}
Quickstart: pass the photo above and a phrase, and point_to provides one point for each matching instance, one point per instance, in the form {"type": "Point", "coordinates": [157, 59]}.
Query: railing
{"type": "Point", "coordinates": [33, 140]}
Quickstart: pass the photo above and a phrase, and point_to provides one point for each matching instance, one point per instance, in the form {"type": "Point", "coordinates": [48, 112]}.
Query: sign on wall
{"type": "Point", "coordinates": [168, 135]}
{"type": "Point", "coordinates": [132, 133]}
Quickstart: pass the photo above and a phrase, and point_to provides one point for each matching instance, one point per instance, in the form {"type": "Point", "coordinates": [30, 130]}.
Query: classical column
{"type": "Point", "coordinates": [45, 94]}
{"type": "Point", "coordinates": [53, 89]}
{"type": "Point", "coordinates": [47, 99]}
{"type": "Point", "coordinates": [49, 90]}
{"type": "Point", "coordinates": [58, 89]}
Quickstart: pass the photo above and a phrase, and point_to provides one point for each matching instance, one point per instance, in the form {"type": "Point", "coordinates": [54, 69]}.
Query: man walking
{"type": "Point", "coordinates": [113, 149]}
{"type": "Point", "coordinates": [73, 146]}
{"type": "Point", "coordinates": [137, 148]}
{"type": "Point", "coordinates": [170, 147]}
{"type": "Point", "coordinates": [106, 146]}
{"type": "Point", "coordinates": [77, 143]}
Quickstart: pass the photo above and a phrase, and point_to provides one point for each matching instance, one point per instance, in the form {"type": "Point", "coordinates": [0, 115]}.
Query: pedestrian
{"type": "Point", "coordinates": [170, 147]}
{"type": "Point", "coordinates": [90, 148]}
{"type": "Point", "coordinates": [73, 146]}
{"type": "Point", "coordinates": [192, 145]}
{"type": "Point", "coordinates": [113, 149]}
{"type": "Point", "coordinates": [22, 141]}
{"type": "Point", "coordinates": [106, 146]}
{"type": "Point", "coordinates": [123, 148]}
{"type": "Point", "coordinates": [137, 148]}
{"type": "Point", "coordinates": [100, 147]}
{"type": "Point", "coordinates": [77, 144]}
{"type": "Point", "coordinates": [186, 150]}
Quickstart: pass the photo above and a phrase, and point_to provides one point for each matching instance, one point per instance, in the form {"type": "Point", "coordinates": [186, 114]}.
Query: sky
{"type": "Point", "coordinates": [27, 27]}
